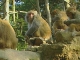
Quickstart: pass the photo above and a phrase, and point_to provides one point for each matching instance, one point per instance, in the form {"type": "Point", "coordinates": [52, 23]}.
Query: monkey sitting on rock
{"type": "Point", "coordinates": [73, 13]}
{"type": "Point", "coordinates": [8, 37]}
{"type": "Point", "coordinates": [74, 16]}
{"type": "Point", "coordinates": [58, 23]}
{"type": "Point", "coordinates": [37, 27]}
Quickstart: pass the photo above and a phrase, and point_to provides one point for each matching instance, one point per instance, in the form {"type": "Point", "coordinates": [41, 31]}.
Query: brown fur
{"type": "Point", "coordinates": [35, 41]}
{"type": "Point", "coordinates": [59, 25]}
{"type": "Point", "coordinates": [55, 12]}
{"type": "Point", "coordinates": [73, 13]}
{"type": "Point", "coordinates": [59, 22]}
{"type": "Point", "coordinates": [7, 35]}
{"type": "Point", "coordinates": [38, 28]}
{"type": "Point", "coordinates": [74, 27]}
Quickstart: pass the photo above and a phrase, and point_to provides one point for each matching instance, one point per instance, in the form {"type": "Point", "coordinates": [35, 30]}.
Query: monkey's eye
{"type": "Point", "coordinates": [31, 14]}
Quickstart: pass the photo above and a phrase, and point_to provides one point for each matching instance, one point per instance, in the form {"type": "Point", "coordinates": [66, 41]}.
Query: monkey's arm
{"type": "Point", "coordinates": [34, 27]}
{"type": "Point", "coordinates": [75, 21]}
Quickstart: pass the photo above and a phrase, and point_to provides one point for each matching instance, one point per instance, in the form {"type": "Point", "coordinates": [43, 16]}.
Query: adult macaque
{"type": "Point", "coordinates": [74, 16]}
{"type": "Point", "coordinates": [37, 26]}
{"type": "Point", "coordinates": [73, 13]}
{"type": "Point", "coordinates": [54, 13]}
{"type": "Point", "coordinates": [7, 35]}
{"type": "Point", "coordinates": [59, 19]}
{"type": "Point", "coordinates": [57, 13]}
{"type": "Point", "coordinates": [62, 15]}
{"type": "Point", "coordinates": [75, 29]}
{"type": "Point", "coordinates": [59, 25]}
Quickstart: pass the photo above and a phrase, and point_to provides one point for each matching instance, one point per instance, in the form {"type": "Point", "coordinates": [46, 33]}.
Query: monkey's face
{"type": "Point", "coordinates": [30, 17]}
{"type": "Point", "coordinates": [70, 15]}
{"type": "Point", "coordinates": [71, 12]}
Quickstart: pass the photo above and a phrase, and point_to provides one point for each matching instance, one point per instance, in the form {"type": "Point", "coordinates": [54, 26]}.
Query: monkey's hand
{"type": "Point", "coordinates": [26, 38]}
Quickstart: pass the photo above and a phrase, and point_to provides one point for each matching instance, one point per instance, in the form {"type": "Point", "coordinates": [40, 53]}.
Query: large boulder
{"type": "Point", "coordinates": [60, 51]}
{"type": "Point", "coordinates": [10, 54]}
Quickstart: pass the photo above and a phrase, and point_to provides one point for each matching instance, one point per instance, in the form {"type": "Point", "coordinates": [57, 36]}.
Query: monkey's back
{"type": "Point", "coordinates": [44, 29]}
{"type": "Point", "coordinates": [7, 35]}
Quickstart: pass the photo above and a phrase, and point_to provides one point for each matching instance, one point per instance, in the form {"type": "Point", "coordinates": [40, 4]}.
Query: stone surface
{"type": "Point", "coordinates": [60, 51]}
{"type": "Point", "coordinates": [9, 54]}
{"type": "Point", "coordinates": [63, 36]}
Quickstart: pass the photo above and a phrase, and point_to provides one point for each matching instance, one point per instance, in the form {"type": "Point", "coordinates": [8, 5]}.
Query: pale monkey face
{"type": "Point", "coordinates": [30, 17]}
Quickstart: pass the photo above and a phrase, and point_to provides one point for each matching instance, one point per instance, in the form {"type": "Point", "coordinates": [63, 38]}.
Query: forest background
{"type": "Point", "coordinates": [20, 26]}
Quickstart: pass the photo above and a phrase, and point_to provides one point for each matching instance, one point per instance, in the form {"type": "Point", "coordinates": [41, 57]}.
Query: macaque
{"type": "Point", "coordinates": [59, 25]}
{"type": "Point", "coordinates": [7, 35]}
{"type": "Point", "coordinates": [63, 16]}
{"type": "Point", "coordinates": [59, 22]}
{"type": "Point", "coordinates": [37, 26]}
{"type": "Point", "coordinates": [73, 13]}
{"type": "Point", "coordinates": [57, 13]}
{"type": "Point", "coordinates": [75, 29]}
{"type": "Point", "coordinates": [74, 16]}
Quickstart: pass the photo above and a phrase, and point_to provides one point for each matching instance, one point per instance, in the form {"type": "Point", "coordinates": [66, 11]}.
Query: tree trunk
{"type": "Point", "coordinates": [67, 3]}
{"type": "Point", "coordinates": [48, 15]}
{"type": "Point", "coordinates": [38, 8]}
{"type": "Point", "coordinates": [48, 12]}
{"type": "Point", "coordinates": [6, 9]}
{"type": "Point", "coordinates": [14, 10]}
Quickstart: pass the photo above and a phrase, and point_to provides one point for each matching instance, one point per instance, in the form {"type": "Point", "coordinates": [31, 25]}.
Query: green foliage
{"type": "Point", "coordinates": [20, 28]}
{"type": "Point", "coordinates": [28, 5]}
{"type": "Point", "coordinates": [22, 46]}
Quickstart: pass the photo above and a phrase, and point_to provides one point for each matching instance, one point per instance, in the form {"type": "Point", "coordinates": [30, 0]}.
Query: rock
{"type": "Point", "coordinates": [63, 36]}
{"type": "Point", "coordinates": [59, 51]}
{"type": "Point", "coordinates": [10, 54]}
